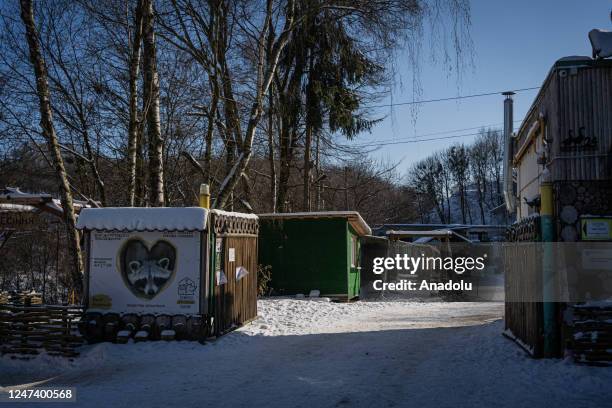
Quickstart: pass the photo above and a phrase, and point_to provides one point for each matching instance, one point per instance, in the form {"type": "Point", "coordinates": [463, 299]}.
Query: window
{"type": "Point", "coordinates": [353, 251]}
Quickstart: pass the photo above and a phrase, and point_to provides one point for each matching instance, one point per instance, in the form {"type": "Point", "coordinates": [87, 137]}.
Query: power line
{"type": "Point", "coordinates": [451, 98]}
{"type": "Point", "coordinates": [422, 140]}
{"type": "Point", "coordinates": [420, 137]}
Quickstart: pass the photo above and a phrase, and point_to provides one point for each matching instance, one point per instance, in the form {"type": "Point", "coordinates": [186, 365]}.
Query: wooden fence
{"type": "Point", "coordinates": [523, 280]}
{"type": "Point", "coordinates": [32, 329]}
{"type": "Point", "coordinates": [236, 300]}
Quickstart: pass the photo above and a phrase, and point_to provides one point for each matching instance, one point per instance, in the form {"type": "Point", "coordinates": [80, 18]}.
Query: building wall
{"type": "Point", "coordinates": [528, 184]}
{"type": "Point", "coordinates": [306, 254]}
{"type": "Point", "coordinates": [576, 102]}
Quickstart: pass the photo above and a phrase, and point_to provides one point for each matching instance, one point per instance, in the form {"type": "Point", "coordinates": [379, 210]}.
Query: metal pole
{"type": "Point", "coordinates": [204, 196]}
{"type": "Point", "coordinates": [548, 288]}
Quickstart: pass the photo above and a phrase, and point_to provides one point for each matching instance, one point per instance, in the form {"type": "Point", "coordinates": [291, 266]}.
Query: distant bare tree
{"type": "Point", "coordinates": [479, 166]}
{"type": "Point", "coordinates": [425, 178]}
{"type": "Point", "coordinates": [459, 162]}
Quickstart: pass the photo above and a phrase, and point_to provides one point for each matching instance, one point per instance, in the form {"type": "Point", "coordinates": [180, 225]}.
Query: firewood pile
{"type": "Point", "coordinates": [592, 334]}
{"type": "Point", "coordinates": [112, 327]}
{"type": "Point", "coordinates": [527, 230]}
{"type": "Point", "coordinates": [20, 298]}
{"type": "Point", "coordinates": [30, 330]}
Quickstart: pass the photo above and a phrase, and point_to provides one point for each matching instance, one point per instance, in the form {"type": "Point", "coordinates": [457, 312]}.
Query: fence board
{"type": "Point", "coordinates": [33, 329]}
{"type": "Point", "coordinates": [523, 320]}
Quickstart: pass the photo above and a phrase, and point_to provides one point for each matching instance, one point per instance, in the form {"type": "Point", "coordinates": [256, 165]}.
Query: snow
{"type": "Point", "coordinates": [168, 334]}
{"type": "Point", "coordinates": [234, 214]}
{"type": "Point", "coordinates": [232, 172]}
{"type": "Point", "coordinates": [141, 334]}
{"type": "Point", "coordinates": [314, 293]}
{"type": "Point", "coordinates": [143, 219]}
{"type": "Point", "coordinates": [307, 353]}
{"type": "Point", "coordinates": [11, 193]}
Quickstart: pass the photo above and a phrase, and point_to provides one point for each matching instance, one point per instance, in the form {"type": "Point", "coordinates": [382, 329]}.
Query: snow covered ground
{"type": "Point", "coordinates": [306, 353]}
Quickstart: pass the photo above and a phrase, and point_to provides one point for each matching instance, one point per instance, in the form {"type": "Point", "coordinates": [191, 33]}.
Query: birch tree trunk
{"type": "Point", "coordinates": [133, 127]}
{"type": "Point", "coordinates": [307, 148]}
{"type": "Point", "coordinates": [308, 135]}
{"type": "Point", "coordinates": [271, 158]}
{"type": "Point", "coordinates": [151, 94]}
{"type": "Point", "coordinates": [212, 114]}
{"type": "Point", "coordinates": [265, 74]}
{"type": "Point", "coordinates": [46, 122]}
{"type": "Point", "coordinates": [271, 155]}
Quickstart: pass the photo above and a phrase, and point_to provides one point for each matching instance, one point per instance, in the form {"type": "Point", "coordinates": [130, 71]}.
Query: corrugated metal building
{"type": "Point", "coordinates": [574, 110]}
{"type": "Point", "coordinates": [562, 160]}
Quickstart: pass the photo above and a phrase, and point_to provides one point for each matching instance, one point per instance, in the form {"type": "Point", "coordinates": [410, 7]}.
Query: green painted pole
{"type": "Point", "coordinates": [548, 289]}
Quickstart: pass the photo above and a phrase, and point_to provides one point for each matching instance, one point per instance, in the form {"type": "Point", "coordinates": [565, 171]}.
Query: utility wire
{"type": "Point", "coordinates": [492, 126]}
{"type": "Point", "coordinates": [417, 138]}
{"type": "Point", "coordinates": [452, 98]}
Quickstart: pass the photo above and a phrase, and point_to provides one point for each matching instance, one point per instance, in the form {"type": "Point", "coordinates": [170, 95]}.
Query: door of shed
{"type": "Point", "coordinates": [233, 269]}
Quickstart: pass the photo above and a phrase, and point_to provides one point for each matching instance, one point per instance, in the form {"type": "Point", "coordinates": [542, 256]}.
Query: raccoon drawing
{"type": "Point", "coordinates": [146, 271]}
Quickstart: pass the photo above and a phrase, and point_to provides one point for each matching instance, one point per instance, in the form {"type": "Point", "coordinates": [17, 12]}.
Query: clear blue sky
{"type": "Point", "coordinates": [515, 44]}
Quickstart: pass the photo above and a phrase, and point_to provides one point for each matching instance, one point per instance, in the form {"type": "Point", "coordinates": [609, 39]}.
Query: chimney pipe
{"type": "Point", "coordinates": [509, 197]}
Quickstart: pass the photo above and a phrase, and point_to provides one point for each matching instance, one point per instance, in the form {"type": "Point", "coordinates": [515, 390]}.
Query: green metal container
{"type": "Point", "coordinates": [309, 251]}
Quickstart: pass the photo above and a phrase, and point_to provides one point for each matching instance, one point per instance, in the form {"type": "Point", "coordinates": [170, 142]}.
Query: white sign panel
{"type": "Point", "coordinates": [597, 259]}
{"type": "Point", "coordinates": [145, 272]}
{"type": "Point", "coordinates": [598, 229]}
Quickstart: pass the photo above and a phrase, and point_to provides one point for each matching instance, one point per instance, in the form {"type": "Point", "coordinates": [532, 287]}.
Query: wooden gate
{"type": "Point", "coordinates": [523, 280]}
{"type": "Point", "coordinates": [234, 270]}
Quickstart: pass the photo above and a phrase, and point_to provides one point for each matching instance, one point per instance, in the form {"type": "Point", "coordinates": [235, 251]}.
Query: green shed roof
{"type": "Point", "coordinates": [353, 218]}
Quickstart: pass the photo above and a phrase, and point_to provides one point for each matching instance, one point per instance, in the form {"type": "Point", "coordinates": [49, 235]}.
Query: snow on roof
{"type": "Point", "coordinates": [143, 219]}
{"type": "Point", "coordinates": [234, 214]}
{"type": "Point", "coordinates": [426, 234]}
{"type": "Point", "coordinates": [9, 193]}
{"type": "Point", "coordinates": [43, 201]}
{"type": "Point", "coordinates": [353, 217]}
{"type": "Point", "coordinates": [601, 41]}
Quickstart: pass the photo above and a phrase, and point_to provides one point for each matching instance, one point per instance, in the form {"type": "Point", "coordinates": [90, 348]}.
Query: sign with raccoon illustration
{"type": "Point", "coordinates": [145, 272]}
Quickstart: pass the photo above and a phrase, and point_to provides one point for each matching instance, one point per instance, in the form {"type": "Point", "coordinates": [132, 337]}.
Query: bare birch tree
{"type": "Point", "coordinates": [134, 126]}
{"type": "Point", "coordinates": [151, 111]}
{"type": "Point", "coordinates": [46, 122]}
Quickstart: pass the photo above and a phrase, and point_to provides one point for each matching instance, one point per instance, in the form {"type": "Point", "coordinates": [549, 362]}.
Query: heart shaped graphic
{"type": "Point", "coordinates": [146, 272]}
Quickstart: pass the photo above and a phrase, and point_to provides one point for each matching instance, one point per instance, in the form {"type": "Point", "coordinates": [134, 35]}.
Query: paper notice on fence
{"type": "Point", "coordinates": [221, 278]}
{"type": "Point", "coordinates": [241, 272]}
{"type": "Point", "coordinates": [232, 254]}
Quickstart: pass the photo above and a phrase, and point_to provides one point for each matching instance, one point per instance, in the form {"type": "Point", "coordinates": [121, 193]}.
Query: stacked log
{"type": "Point", "coordinates": [20, 298]}
{"type": "Point", "coordinates": [592, 334]}
{"type": "Point", "coordinates": [112, 327]}
{"type": "Point", "coordinates": [130, 324]}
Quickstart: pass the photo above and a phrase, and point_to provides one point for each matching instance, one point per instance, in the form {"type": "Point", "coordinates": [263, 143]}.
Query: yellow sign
{"type": "Point", "coordinates": [101, 301]}
{"type": "Point", "coordinates": [596, 229]}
